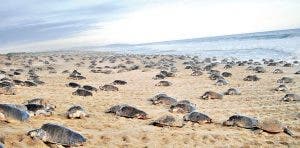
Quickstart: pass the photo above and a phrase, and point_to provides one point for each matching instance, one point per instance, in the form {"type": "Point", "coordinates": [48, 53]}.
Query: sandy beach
{"type": "Point", "coordinates": [257, 99]}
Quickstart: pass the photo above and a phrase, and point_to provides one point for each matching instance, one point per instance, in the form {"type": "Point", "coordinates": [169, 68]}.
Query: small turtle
{"type": "Point", "coordinates": [167, 120]}
{"type": "Point", "coordinates": [183, 106]}
{"type": "Point", "coordinates": [221, 82]}
{"type": "Point", "coordinates": [273, 126]}
{"type": "Point", "coordinates": [73, 85]}
{"type": "Point", "coordinates": [90, 88]}
{"type": "Point", "coordinates": [197, 73]}
{"type": "Point", "coordinates": [76, 112]}
{"type": "Point", "coordinates": [232, 91]}
{"type": "Point", "coordinates": [108, 87]}
{"type": "Point", "coordinates": [291, 97]}
{"type": "Point", "coordinates": [281, 87]}
{"type": "Point", "coordinates": [37, 109]}
{"type": "Point", "coordinates": [58, 134]}
{"type": "Point", "coordinates": [127, 111]}
{"type": "Point", "coordinates": [251, 78]}
{"type": "Point", "coordinates": [197, 117]}
{"type": "Point", "coordinates": [11, 113]}
{"type": "Point", "coordinates": [285, 80]}
{"type": "Point", "coordinates": [29, 83]}
{"type": "Point", "coordinates": [119, 82]}
{"type": "Point", "coordinates": [277, 71]}
{"type": "Point", "coordinates": [241, 121]}
{"type": "Point", "coordinates": [259, 69]}
{"type": "Point", "coordinates": [82, 92]}
{"type": "Point", "coordinates": [163, 83]}
{"type": "Point", "coordinates": [162, 99]}
{"type": "Point", "coordinates": [226, 74]}
{"type": "Point", "coordinates": [211, 95]}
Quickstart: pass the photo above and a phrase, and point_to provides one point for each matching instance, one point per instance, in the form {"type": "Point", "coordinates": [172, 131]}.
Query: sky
{"type": "Point", "coordinates": [56, 24]}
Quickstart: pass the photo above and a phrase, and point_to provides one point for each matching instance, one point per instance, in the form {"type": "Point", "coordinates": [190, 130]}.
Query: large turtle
{"type": "Point", "coordinates": [76, 112]}
{"type": "Point", "coordinates": [162, 99]}
{"type": "Point", "coordinates": [241, 121]}
{"type": "Point", "coordinates": [127, 111]}
{"type": "Point", "coordinates": [211, 95]}
{"type": "Point", "coordinates": [273, 126]}
{"type": "Point", "coordinates": [11, 113]}
{"type": "Point", "coordinates": [183, 106]}
{"type": "Point", "coordinates": [197, 117]}
{"type": "Point", "coordinates": [167, 120]}
{"type": "Point", "coordinates": [291, 97]}
{"type": "Point", "coordinates": [57, 134]}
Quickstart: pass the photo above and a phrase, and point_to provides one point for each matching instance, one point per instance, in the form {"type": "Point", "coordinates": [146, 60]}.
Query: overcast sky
{"type": "Point", "coordinates": [56, 24]}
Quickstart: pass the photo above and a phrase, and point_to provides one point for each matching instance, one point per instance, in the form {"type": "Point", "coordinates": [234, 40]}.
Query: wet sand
{"type": "Point", "coordinates": [107, 130]}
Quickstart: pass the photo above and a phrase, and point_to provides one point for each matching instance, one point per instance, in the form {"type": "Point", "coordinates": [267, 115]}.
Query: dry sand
{"type": "Point", "coordinates": [107, 130]}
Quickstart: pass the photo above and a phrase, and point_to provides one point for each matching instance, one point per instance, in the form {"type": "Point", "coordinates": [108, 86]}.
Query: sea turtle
{"type": "Point", "coordinates": [30, 83]}
{"type": "Point", "coordinates": [281, 87]}
{"type": "Point", "coordinates": [127, 111]}
{"type": "Point", "coordinates": [39, 101]}
{"type": "Point", "coordinates": [162, 99]}
{"type": "Point", "coordinates": [167, 120]}
{"type": "Point", "coordinates": [221, 82]}
{"type": "Point", "coordinates": [58, 134]}
{"type": "Point", "coordinates": [197, 117]}
{"type": "Point", "coordinates": [251, 78]}
{"type": "Point", "coordinates": [119, 82]}
{"type": "Point", "coordinates": [11, 113]}
{"type": "Point", "coordinates": [37, 109]}
{"type": "Point", "coordinates": [108, 87]}
{"type": "Point", "coordinates": [82, 92]}
{"type": "Point", "coordinates": [90, 88]}
{"type": "Point", "coordinates": [73, 85]}
{"type": "Point", "coordinates": [291, 97]}
{"type": "Point", "coordinates": [259, 69]}
{"type": "Point", "coordinates": [277, 71]}
{"type": "Point", "coordinates": [285, 80]}
{"type": "Point", "coordinates": [241, 121]}
{"type": "Point", "coordinates": [226, 74]}
{"type": "Point", "coordinates": [163, 83]}
{"type": "Point", "coordinates": [211, 95]}
{"type": "Point", "coordinates": [232, 91]}
{"type": "Point", "coordinates": [273, 126]}
{"type": "Point", "coordinates": [76, 112]}
{"type": "Point", "coordinates": [183, 106]}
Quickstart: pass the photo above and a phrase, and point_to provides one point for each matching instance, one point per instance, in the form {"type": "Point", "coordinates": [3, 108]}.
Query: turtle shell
{"type": "Point", "coordinates": [271, 126]}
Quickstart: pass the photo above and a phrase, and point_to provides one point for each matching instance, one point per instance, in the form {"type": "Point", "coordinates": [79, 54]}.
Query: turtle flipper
{"type": "Point", "coordinates": [288, 131]}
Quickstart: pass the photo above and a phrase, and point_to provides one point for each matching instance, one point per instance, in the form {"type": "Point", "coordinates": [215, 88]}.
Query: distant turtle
{"type": "Point", "coordinates": [37, 109]}
{"type": "Point", "coordinates": [221, 82]}
{"type": "Point", "coordinates": [82, 92]}
{"type": "Point", "coordinates": [285, 80]}
{"type": "Point", "coordinates": [273, 126]}
{"type": "Point", "coordinates": [232, 91]}
{"type": "Point", "coordinates": [127, 111]}
{"type": "Point", "coordinates": [251, 78]}
{"type": "Point", "coordinates": [163, 83]}
{"type": "Point", "coordinates": [90, 88]}
{"type": "Point", "coordinates": [73, 85]}
{"type": "Point", "coordinates": [167, 120]}
{"type": "Point", "coordinates": [119, 82]}
{"type": "Point", "coordinates": [76, 112]}
{"type": "Point", "coordinates": [11, 113]}
{"type": "Point", "coordinates": [277, 71]}
{"type": "Point", "coordinates": [197, 73]}
{"type": "Point", "coordinates": [29, 83]}
{"type": "Point", "coordinates": [57, 134]}
{"type": "Point", "coordinates": [291, 97]}
{"type": "Point", "coordinates": [183, 106]}
{"type": "Point", "coordinates": [39, 101]}
{"type": "Point", "coordinates": [212, 95]}
{"type": "Point", "coordinates": [259, 69]}
{"type": "Point", "coordinates": [281, 87]}
{"type": "Point", "coordinates": [241, 121]}
{"type": "Point", "coordinates": [197, 117]}
{"type": "Point", "coordinates": [162, 99]}
{"type": "Point", "coordinates": [226, 74]}
{"type": "Point", "coordinates": [109, 87]}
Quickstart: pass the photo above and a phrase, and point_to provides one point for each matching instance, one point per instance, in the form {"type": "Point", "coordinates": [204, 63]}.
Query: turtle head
{"type": "Point", "coordinates": [142, 115]}
{"type": "Point", "coordinates": [37, 133]}
{"type": "Point", "coordinates": [228, 123]}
